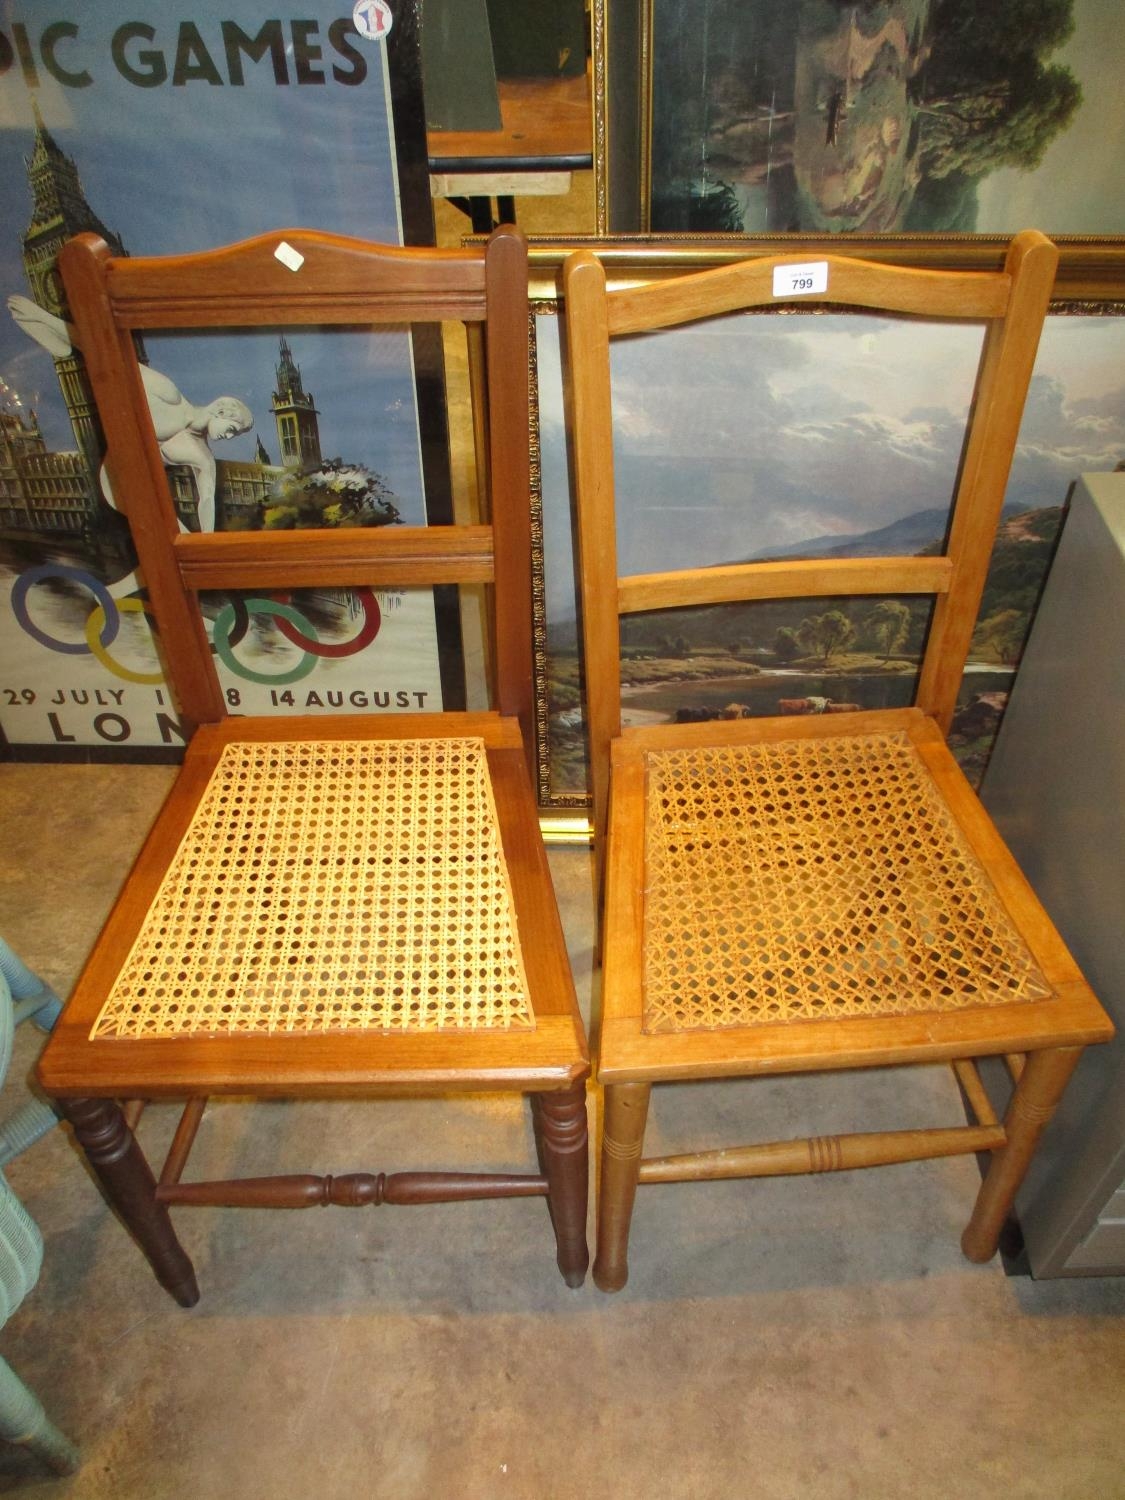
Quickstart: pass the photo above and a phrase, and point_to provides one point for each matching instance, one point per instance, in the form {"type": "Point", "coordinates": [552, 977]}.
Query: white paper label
{"type": "Point", "coordinates": [286, 254]}
{"type": "Point", "coordinates": [372, 19]}
{"type": "Point", "coordinates": [800, 281]}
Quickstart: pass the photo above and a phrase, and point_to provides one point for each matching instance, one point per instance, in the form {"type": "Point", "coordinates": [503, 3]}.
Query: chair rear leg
{"type": "Point", "coordinates": [23, 1420]}
{"type": "Point", "coordinates": [623, 1133]}
{"type": "Point", "coordinates": [126, 1178]}
{"type": "Point", "coordinates": [564, 1150]}
{"type": "Point", "coordinates": [1039, 1090]}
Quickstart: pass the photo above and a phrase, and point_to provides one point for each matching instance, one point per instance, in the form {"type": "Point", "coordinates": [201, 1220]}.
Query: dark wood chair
{"type": "Point", "coordinates": [346, 906]}
{"type": "Point", "coordinates": [796, 895]}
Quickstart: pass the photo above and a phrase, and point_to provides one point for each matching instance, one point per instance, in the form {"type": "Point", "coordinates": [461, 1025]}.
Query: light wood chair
{"type": "Point", "coordinates": [337, 906]}
{"type": "Point", "coordinates": [797, 895]}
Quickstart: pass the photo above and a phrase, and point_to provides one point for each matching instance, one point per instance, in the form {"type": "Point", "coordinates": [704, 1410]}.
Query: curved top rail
{"type": "Point", "coordinates": [315, 276]}
{"type": "Point", "coordinates": [846, 282]}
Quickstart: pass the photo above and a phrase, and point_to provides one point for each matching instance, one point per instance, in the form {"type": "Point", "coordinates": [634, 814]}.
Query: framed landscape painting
{"type": "Point", "coordinates": [808, 434]}
{"type": "Point", "coordinates": [891, 116]}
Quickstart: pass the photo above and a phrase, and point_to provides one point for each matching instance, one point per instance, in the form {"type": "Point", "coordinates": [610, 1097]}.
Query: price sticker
{"type": "Point", "coordinates": [800, 281]}
{"type": "Point", "coordinates": [289, 255]}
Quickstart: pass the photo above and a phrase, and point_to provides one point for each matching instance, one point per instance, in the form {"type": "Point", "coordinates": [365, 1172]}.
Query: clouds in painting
{"type": "Point", "coordinates": [1063, 437]}
{"type": "Point", "coordinates": [746, 436]}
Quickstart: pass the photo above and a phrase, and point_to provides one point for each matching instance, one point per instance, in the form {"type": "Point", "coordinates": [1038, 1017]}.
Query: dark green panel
{"type": "Point", "coordinates": [538, 38]}
{"type": "Point", "coordinates": [457, 68]}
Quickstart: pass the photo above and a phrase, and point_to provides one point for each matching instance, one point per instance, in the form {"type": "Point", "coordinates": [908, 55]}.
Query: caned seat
{"type": "Point", "coordinates": [806, 894]}
{"type": "Point", "coordinates": [331, 887]}
{"type": "Point", "coordinates": [815, 878]}
{"type": "Point", "coordinates": [351, 905]}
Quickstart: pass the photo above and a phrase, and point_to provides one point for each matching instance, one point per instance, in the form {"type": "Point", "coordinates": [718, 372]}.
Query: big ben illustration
{"type": "Point", "coordinates": [59, 211]}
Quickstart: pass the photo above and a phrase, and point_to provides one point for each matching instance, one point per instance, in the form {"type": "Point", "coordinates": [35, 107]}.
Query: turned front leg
{"type": "Point", "coordinates": [623, 1133]}
{"type": "Point", "coordinates": [1039, 1090]}
{"type": "Point", "coordinates": [126, 1178]}
{"type": "Point", "coordinates": [564, 1144]}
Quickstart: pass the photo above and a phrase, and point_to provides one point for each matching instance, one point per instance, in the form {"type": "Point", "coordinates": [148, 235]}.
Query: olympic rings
{"type": "Point", "coordinates": [103, 625]}
{"type": "Point", "coordinates": [132, 606]}
{"type": "Point", "coordinates": [221, 638]}
{"type": "Point", "coordinates": [30, 576]}
{"type": "Point", "coordinates": [372, 619]}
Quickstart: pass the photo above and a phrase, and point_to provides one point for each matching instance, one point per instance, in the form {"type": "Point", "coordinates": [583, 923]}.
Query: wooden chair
{"type": "Point", "coordinates": [336, 906]}
{"type": "Point", "coordinates": [796, 895]}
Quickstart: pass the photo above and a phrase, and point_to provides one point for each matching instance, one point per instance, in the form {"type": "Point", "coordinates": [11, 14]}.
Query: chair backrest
{"type": "Point", "coordinates": [338, 281]}
{"type": "Point", "coordinates": [1011, 303]}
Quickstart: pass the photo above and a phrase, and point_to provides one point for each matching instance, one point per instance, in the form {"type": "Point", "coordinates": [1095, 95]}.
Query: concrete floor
{"type": "Point", "coordinates": [813, 1337]}
{"type": "Point", "coordinates": [818, 1338]}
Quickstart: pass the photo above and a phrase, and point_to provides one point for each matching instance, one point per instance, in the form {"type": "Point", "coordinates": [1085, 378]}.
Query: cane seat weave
{"type": "Point", "coordinates": [805, 879]}
{"type": "Point", "coordinates": [331, 886]}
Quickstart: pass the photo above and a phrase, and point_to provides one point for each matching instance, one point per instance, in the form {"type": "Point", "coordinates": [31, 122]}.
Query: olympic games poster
{"type": "Point", "coordinates": [167, 135]}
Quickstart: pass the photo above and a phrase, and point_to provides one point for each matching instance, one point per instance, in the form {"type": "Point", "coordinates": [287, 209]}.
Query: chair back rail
{"type": "Point", "coordinates": [853, 283]}
{"type": "Point", "coordinates": [1012, 303]}
{"type": "Point", "coordinates": [340, 282]}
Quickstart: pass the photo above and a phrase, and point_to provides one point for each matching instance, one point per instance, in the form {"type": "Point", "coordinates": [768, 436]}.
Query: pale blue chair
{"type": "Point", "coordinates": [23, 996]}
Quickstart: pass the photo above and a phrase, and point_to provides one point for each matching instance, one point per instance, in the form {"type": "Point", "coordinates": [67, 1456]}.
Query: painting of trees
{"type": "Point", "coordinates": [333, 493]}
{"type": "Point", "coordinates": [888, 625]}
{"type": "Point", "coordinates": [1003, 634]}
{"type": "Point", "coordinates": [786, 646]}
{"type": "Point", "coordinates": [987, 96]}
{"type": "Point", "coordinates": [821, 635]}
{"type": "Point", "coordinates": [818, 115]}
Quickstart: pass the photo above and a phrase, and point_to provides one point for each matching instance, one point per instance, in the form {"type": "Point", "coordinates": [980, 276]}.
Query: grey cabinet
{"type": "Point", "coordinates": [1055, 787]}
